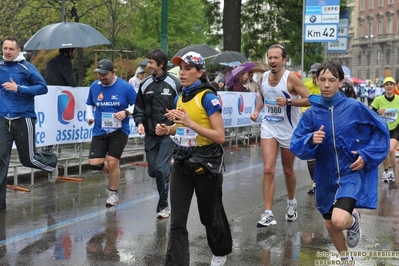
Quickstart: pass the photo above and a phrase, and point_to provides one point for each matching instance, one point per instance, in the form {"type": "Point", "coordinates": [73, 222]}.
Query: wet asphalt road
{"type": "Point", "coordinates": [66, 223]}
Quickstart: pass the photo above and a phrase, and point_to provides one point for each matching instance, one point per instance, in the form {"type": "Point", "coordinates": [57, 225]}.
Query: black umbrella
{"type": "Point", "coordinates": [202, 49]}
{"type": "Point", "coordinates": [227, 57]}
{"type": "Point", "coordinates": [65, 35]}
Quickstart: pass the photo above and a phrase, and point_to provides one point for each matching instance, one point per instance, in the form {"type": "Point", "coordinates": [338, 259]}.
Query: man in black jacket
{"type": "Point", "coordinates": [156, 94]}
{"type": "Point", "coordinates": [59, 70]}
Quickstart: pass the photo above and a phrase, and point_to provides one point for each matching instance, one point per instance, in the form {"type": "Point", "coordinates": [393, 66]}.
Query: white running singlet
{"type": "Point", "coordinates": [278, 122]}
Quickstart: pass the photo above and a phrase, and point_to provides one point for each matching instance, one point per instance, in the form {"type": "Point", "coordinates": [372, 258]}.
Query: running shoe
{"type": "Point", "coordinates": [385, 176]}
{"type": "Point", "coordinates": [391, 176]}
{"type": "Point", "coordinates": [354, 234]}
{"type": "Point", "coordinates": [266, 220]}
{"type": "Point", "coordinates": [218, 260]}
{"type": "Point", "coordinates": [113, 198]}
{"type": "Point", "coordinates": [291, 214]}
{"type": "Point", "coordinates": [164, 213]}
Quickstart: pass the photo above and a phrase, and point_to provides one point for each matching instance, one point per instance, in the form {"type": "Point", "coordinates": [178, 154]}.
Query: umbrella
{"type": "Point", "coordinates": [227, 57]}
{"type": "Point", "coordinates": [260, 67]}
{"type": "Point", "coordinates": [231, 64]}
{"type": "Point", "coordinates": [202, 49]}
{"type": "Point", "coordinates": [65, 35]}
{"type": "Point", "coordinates": [235, 73]}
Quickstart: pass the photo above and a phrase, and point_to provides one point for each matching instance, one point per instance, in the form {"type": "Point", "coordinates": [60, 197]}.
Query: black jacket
{"type": "Point", "coordinates": [155, 95]}
{"type": "Point", "coordinates": [59, 71]}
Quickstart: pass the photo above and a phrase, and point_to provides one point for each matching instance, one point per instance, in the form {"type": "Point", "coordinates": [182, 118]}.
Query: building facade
{"type": "Point", "coordinates": [373, 40]}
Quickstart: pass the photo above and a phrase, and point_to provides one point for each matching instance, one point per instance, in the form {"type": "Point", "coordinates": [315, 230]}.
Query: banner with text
{"type": "Point", "coordinates": [61, 114]}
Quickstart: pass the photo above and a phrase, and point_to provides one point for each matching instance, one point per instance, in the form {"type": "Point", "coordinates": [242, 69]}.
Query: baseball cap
{"type": "Point", "coordinates": [140, 70]}
{"type": "Point", "coordinates": [191, 58]}
{"type": "Point", "coordinates": [388, 79]}
{"type": "Point", "coordinates": [104, 66]}
{"type": "Point", "coordinates": [314, 67]}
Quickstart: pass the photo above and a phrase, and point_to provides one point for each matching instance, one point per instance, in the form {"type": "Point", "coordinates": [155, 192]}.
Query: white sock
{"type": "Point", "coordinates": [291, 201]}
{"type": "Point", "coordinates": [268, 212]}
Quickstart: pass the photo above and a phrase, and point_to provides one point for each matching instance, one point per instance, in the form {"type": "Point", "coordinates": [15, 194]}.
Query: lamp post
{"type": "Point", "coordinates": [369, 51]}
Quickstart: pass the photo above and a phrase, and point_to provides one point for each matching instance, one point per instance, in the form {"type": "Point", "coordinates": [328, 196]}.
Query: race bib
{"type": "Point", "coordinates": [390, 115]}
{"type": "Point", "coordinates": [185, 137]}
{"type": "Point", "coordinates": [273, 112]}
{"type": "Point", "coordinates": [108, 121]}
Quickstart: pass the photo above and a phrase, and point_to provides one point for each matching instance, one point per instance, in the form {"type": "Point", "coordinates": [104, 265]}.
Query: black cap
{"type": "Point", "coordinates": [104, 66]}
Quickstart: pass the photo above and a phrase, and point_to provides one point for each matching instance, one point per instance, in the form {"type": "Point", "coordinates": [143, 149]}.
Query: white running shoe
{"type": "Point", "coordinates": [391, 176]}
{"type": "Point", "coordinates": [266, 220]}
{"type": "Point", "coordinates": [165, 213]}
{"type": "Point", "coordinates": [218, 260]}
{"type": "Point", "coordinates": [354, 234]}
{"type": "Point", "coordinates": [113, 198]}
{"type": "Point", "coordinates": [291, 214]}
{"type": "Point", "coordinates": [385, 176]}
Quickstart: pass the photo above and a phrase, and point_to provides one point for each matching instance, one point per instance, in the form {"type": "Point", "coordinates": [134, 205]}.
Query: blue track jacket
{"type": "Point", "coordinates": [30, 83]}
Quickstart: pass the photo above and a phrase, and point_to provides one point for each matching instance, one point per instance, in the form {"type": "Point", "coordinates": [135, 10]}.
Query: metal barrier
{"type": "Point", "coordinates": [69, 155]}
{"type": "Point", "coordinates": [77, 153]}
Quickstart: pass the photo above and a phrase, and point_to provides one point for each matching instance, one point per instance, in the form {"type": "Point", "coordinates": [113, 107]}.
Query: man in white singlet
{"type": "Point", "coordinates": [283, 93]}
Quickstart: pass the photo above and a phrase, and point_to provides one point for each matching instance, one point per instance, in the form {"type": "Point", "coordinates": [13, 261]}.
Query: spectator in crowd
{"type": "Point", "coordinates": [59, 70]}
{"type": "Point", "coordinates": [20, 83]}
{"type": "Point", "coordinates": [350, 92]}
{"type": "Point", "coordinates": [387, 106]}
{"type": "Point", "coordinates": [349, 141]}
{"type": "Point", "coordinates": [313, 88]}
{"type": "Point", "coordinates": [252, 85]}
{"type": "Point", "coordinates": [223, 73]}
{"type": "Point", "coordinates": [370, 94]}
{"type": "Point", "coordinates": [222, 85]}
{"type": "Point", "coordinates": [241, 82]}
{"type": "Point", "coordinates": [198, 159]}
{"type": "Point", "coordinates": [137, 78]}
{"type": "Point", "coordinates": [362, 93]}
{"type": "Point", "coordinates": [283, 93]}
{"type": "Point", "coordinates": [107, 107]}
{"type": "Point", "coordinates": [156, 95]}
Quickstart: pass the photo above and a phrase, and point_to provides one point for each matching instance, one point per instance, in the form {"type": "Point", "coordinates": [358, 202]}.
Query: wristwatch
{"type": "Point", "coordinates": [289, 101]}
{"type": "Point", "coordinates": [127, 113]}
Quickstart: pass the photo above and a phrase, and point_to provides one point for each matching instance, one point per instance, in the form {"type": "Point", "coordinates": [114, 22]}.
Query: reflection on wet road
{"type": "Point", "coordinates": [66, 223]}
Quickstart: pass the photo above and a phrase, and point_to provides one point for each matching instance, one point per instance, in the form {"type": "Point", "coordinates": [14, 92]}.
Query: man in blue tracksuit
{"type": "Point", "coordinates": [348, 141]}
{"type": "Point", "coordinates": [20, 82]}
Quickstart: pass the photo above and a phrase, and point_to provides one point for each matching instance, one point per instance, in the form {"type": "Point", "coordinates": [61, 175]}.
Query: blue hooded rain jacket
{"type": "Point", "coordinates": [349, 126]}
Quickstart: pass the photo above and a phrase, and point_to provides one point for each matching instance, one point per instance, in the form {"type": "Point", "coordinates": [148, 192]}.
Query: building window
{"type": "Point", "coordinates": [371, 4]}
{"type": "Point", "coordinates": [390, 25]}
{"type": "Point", "coordinates": [390, 2]}
{"type": "Point", "coordinates": [379, 27]}
{"type": "Point", "coordinates": [361, 30]}
{"type": "Point", "coordinates": [387, 54]}
{"type": "Point", "coordinates": [359, 59]}
{"type": "Point", "coordinates": [380, 2]}
{"type": "Point", "coordinates": [361, 5]}
{"type": "Point", "coordinates": [378, 57]}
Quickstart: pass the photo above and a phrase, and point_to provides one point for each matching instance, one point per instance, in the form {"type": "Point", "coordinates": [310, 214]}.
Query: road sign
{"type": "Point", "coordinates": [321, 32]}
{"type": "Point", "coordinates": [339, 46]}
{"type": "Point", "coordinates": [321, 20]}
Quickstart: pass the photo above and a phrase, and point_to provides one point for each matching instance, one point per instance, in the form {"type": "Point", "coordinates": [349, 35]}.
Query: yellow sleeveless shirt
{"type": "Point", "coordinates": [197, 113]}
